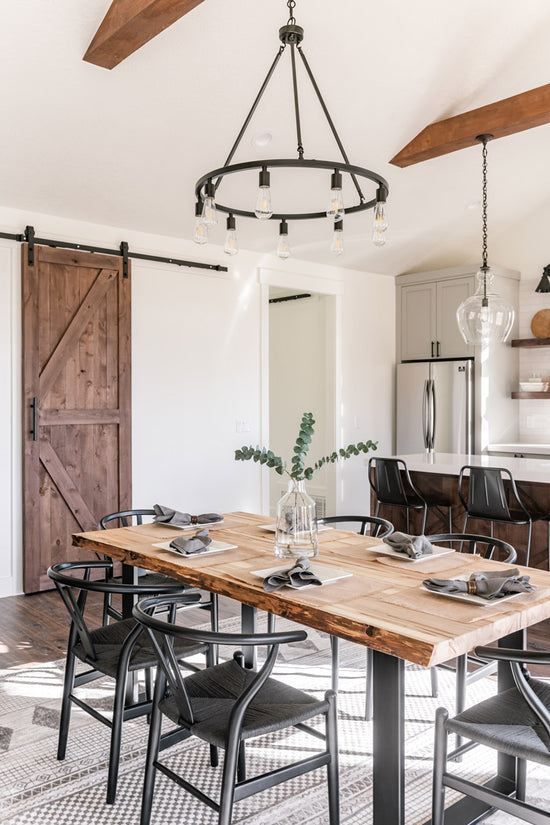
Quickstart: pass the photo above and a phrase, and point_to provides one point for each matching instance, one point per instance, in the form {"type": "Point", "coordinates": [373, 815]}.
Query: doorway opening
{"type": "Point", "coordinates": [302, 370]}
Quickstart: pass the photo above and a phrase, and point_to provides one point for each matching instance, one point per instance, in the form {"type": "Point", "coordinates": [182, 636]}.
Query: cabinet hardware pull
{"type": "Point", "coordinates": [437, 351]}
{"type": "Point", "coordinates": [432, 349]}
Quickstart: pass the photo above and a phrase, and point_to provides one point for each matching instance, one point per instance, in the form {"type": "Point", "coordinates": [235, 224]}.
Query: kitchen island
{"type": "Point", "coordinates": [436, 476]}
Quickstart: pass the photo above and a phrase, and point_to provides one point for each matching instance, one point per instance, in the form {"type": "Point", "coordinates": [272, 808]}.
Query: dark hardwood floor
{"type": "Point", "coordinates": [35, 628]}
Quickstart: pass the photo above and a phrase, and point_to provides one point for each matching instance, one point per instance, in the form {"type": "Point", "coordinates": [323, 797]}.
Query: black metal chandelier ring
{"type": "Point", "coordinates": [291, 163]}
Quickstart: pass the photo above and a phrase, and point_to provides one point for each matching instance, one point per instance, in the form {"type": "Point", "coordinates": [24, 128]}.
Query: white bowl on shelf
{"type": "Point", "coordinates": [533, 386]}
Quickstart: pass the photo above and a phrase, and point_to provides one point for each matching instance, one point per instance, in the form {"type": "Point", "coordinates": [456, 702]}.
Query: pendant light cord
{"type": "Point", "coordinates": [484, 267]}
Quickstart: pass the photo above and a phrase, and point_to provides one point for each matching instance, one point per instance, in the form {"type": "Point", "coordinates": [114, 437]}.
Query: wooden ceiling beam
{"type": "Point", "coordinates": [129, 24]}
{"type": "Point", "coordinates": [506, 117]}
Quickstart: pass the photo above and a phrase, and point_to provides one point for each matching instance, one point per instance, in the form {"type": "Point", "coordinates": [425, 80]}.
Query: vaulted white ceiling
{"type": "Point", "coordinates": [125, 147]}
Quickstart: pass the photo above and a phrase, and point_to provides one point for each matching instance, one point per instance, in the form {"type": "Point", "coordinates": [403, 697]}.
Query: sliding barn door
{"type": "Point", "coordinates": [76, 401]}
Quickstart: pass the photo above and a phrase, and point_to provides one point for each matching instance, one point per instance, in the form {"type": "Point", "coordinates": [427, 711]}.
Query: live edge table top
{"type": "Point", "coordinates": [382, 605]}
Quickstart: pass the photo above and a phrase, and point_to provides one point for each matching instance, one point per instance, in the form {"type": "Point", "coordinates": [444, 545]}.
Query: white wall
{"type": "Point", "coordinates": [197, 369]}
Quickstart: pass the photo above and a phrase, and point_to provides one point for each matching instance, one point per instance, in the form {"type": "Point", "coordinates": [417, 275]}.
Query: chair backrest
{"type": "Point", "coordinates": [164, 631]}
{"type": "Point", "coordinates": [386, 479]}
{"type": "Point", "coordinates": [485, 546]}
{"type": "Point", "coordinates": [125, 517]}
{"type": "Point", "coordinates": [74, 590]}
{"type": "Point", "coordinates": [368, 525]}
{"type": "Point", "coordinates": [486, 494]}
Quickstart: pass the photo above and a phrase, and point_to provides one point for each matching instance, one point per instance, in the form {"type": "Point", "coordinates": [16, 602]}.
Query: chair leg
{"type": "Point", "coordinates": [271, 623]}
{"type": "Point", "coordinates": [368, 685]}
{"type": "Point", "coordinates": [149, 684]}
{"type": "Point", "coordinates": [423, 531]}
{"type": "Point", "coordinates": [335, 662]}
{"type": "Point", "coordinates": [440, 766]}
{"type": "Point", "coordinates": [435, 682]}
{"type": "Point", "coordinates": [152, 752]}
{"type": "Point", "coordinates": [465, 523]}
{"type": "Point", "coordinates": [450, 518]}
{"type": "Point", "coordinates": [116, 736]}
{"type": "Point", "coordinates": [68, 684]}
{"type": "Point", "coordinates": [521, 779]}
{"type": "Point", "coordinates": [332, 767]}
{"type": "Point", "coordinates": [378, 508]}
{"type": "Point", "coordinates": [241, 763]}
{"type": "Point", "coordinates": [227, 794]}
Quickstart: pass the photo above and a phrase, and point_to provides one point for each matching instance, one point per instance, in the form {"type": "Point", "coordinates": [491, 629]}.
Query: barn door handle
{"type": "Point", "coordinates": [34, 407]}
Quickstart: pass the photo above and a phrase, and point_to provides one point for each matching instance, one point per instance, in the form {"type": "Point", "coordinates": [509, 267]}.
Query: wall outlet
{"type": "Point", "coordinates": [242, 426]}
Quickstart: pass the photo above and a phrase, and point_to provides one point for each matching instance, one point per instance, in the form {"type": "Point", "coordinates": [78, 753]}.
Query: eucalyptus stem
{"type": "Point", "coordinates": [298, 471]}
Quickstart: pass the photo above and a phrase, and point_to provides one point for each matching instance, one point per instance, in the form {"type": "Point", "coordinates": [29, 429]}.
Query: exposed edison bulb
{"type": "Point", "coordinates": [264, 210]}
{"type": "Point", "coordinates": [380, 219]}
{"type": "Point", "coordinates": [231, 246]}
{"type": "Point", "coordinates": [200, 230]}
{"type": "Point", "coordinates": [209, 216]}
{"type": "Point", "coordinates": [283, 247]}
{"type": "Point", "coordinates": [336, 201]}
{"type": "Point", "coordinates": [337, 245]}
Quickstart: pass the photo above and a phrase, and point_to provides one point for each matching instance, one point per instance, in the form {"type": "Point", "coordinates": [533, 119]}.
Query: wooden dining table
{"type": "Point", "coordinates": [379, 602]}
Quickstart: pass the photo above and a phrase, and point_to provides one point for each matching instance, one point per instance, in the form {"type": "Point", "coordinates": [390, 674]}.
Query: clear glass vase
{"type": "Point", "coordinates": [296, 533]}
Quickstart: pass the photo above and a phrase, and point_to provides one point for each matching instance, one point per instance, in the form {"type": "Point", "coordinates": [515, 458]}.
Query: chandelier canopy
{"type": "Point", "coordinates": [485, 316]}
{"type": "Point", "coordinates": [208, 185]}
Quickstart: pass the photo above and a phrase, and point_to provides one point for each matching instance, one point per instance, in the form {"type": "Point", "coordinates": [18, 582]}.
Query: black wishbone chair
{"type": "Point", "coordinates": [489, 548]}
{"type": "Point", "coordinates": [225, 705]}
{"type": "Point", "coordinates": [117, 650]}
{"type": "Point", "coordinates": [515, 722]}
{"type": "Point", "coordinates": [150, 578]}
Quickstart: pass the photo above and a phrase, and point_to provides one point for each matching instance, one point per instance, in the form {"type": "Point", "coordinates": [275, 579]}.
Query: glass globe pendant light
{"type": "Point", "coordinates": [485, 317]}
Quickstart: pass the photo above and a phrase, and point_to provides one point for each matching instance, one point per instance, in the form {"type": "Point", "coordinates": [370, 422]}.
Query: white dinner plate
{"type": "Point", "coordinates": [386, 550]}
{"type": "Point", "coordinates": [213, 547]}
{"type": "Point", "coordinates": [188, 526]}
{"type": "Point", "coordinates": [471, 597]}
{"type": "Point", "coordinates": [326, 575]}
{"type": "Point", "coordinates": [273, 527]}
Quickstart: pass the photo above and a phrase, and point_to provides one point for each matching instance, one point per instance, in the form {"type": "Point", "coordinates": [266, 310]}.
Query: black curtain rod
{"type": "Point", "coordinates": [29, 237]}
{"type": "Point", "coordinates": [289, 298]}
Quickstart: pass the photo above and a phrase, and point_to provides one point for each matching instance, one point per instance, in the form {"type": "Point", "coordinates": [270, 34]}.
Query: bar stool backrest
{"type": "Point", "coordinates": [388, 481]}
{"type": "Point", "coordinates": [486, 494]}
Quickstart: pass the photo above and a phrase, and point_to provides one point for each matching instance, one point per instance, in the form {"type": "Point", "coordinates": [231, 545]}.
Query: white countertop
{"type": "Point", "coordinates": [523, 469]}
{"type": "Point", "coordinates": [528, 449]}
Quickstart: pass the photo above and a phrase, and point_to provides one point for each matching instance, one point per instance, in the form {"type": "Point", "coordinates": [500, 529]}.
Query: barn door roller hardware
{"type": "Point", "coordinates": [30, 238]}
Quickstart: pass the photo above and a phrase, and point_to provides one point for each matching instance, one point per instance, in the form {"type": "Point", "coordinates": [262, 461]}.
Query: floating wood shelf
{"type": "Point", "coordinates": [531, 342]}
{"type": "Point", "coordinates": [534, 395]}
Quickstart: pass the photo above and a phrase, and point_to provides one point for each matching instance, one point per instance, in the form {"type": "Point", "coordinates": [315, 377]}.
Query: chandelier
{"type": "Point", "coordinates": [485, 317]}
{"type": "Point", "coordinates": [208, 188]}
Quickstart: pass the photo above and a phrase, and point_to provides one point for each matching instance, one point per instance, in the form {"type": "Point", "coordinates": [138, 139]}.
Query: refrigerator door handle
{"type": "Point", "coordinates": [425, 406]}
{"type": "Point", "coordinates": [432, 414]}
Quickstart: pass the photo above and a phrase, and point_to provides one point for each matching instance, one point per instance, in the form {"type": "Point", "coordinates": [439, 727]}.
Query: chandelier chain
{"type": "Point", "coordinates": [291, 6]}
{"type": "Point", "coordinates": [484, 205]}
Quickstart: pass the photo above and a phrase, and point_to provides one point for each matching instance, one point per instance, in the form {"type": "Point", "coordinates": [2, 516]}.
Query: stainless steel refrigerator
{"type": "Point", "coordinates": [435, 407]}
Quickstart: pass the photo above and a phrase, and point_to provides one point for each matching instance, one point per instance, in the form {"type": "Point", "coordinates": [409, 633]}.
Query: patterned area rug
{"type": "Point", "coordinates": [35, 788]}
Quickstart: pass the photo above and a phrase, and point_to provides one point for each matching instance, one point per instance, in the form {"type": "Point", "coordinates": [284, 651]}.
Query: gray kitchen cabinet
{"type": "Point", "coordinates": [427, 312]}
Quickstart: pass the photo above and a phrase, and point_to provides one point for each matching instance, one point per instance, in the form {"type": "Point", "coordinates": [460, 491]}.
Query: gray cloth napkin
{"type": "Point", "coordinates": [192, 545]}
{"type": "Point", "coordinates": [489, 585]}
{"type": "Point", "coordinates": [413, 546]}
{"type": "Point", "coordinates": [298, 576]}
{"type": "Point", "coordinates": [166, 515]}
